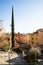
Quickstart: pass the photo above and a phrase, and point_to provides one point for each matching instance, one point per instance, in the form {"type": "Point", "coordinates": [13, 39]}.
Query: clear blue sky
{"type": "Point", "coordinates": [28, 15]}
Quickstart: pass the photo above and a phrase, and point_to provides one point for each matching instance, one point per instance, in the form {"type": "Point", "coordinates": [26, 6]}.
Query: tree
{"type": "Point", "coordinates": [5, 45]}
{"type": "Point", "coordinates": [12, 30]}
{"type": "Point", "coordinates": [34, 54]}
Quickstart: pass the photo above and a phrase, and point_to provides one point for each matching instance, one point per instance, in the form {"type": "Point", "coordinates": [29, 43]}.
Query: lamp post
{"type": "Point", "coordinates": [35, 56]}
{"type": "Point", "coordinates": [9, 55]}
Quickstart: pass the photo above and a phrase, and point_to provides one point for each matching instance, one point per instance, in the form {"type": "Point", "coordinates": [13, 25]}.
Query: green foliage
{"type": "Point", "coordinates": [33, 55]}
{"type": "Point", "coordinates": [5, 46]}
{"type": "Point", "coordinates": [12, 29]}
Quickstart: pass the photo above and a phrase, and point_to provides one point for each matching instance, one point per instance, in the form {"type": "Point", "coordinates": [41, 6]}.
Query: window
{"type": "Point", "coordinates": [32, 38]}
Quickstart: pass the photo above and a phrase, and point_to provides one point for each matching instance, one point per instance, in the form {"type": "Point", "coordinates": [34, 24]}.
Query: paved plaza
{"type": "Point", "coordinates": [14, 59]}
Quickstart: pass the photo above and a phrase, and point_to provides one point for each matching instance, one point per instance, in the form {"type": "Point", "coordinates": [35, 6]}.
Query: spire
{"type": "Point", "coordinates": [12, 30]}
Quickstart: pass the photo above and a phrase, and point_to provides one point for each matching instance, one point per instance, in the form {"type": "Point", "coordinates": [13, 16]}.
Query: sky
{"type": "Point", "coordinates": [28, 15]}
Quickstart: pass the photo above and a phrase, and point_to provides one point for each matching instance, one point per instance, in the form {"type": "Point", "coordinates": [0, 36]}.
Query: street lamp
{"type": "Point", "coordinates": [9, 55]}
{"type": "Point", "coordinates": [35, 56]}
